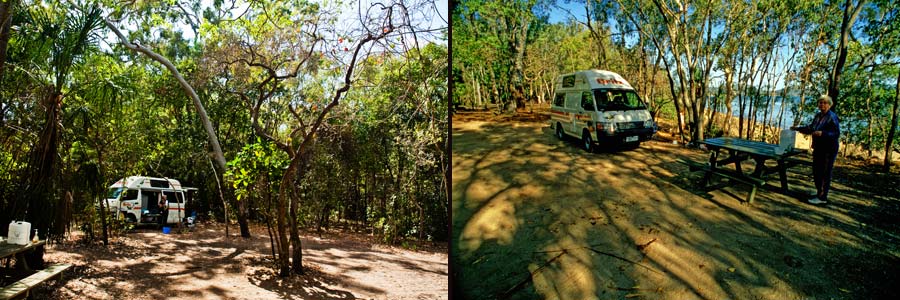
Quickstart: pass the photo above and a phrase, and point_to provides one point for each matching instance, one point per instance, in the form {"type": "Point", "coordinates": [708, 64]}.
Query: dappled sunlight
{"type": "Point", "coordinates": [536, 217]}
{"type": "Point", "coordinates": [495, 221]}
{"type": "Point", "coordinates": [571, 276]}
{"type": "Point", "coordinates": [692, 270]}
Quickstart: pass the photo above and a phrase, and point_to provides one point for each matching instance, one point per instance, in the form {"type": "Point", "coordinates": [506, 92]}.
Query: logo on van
{"type": "Point", "coordinates": [608, 81]}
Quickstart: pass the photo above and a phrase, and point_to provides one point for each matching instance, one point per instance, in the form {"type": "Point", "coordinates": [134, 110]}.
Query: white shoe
{"type": "Point", "coordinates": [816, 200]}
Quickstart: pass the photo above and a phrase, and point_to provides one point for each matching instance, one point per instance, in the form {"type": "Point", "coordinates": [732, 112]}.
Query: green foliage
{"type": "Point", "coordinates": [379, 155]}
{"type": "Point", "coordinates": [255, 161]}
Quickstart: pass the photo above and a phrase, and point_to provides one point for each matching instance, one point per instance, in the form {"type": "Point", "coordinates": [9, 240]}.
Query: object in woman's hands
{"type": "Point", "coordinates": [804, 130]}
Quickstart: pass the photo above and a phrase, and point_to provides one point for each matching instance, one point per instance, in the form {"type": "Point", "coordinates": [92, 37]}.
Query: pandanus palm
{"type": "Point", "coordinates": [50, 40]}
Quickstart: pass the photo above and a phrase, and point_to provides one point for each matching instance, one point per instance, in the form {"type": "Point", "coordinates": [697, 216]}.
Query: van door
{"type": "Point", "coordinates": [573, 108]}
{"type": "Point", "coordinates": [176, 206]}
{"type": "Point", "coordinates": [558, 110]}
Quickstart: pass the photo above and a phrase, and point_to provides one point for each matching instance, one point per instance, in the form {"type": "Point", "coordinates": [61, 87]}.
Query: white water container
{"type": "Point", "coordinates": [19, 233]}
{"type": "Point", "coordinates": [791, 140]}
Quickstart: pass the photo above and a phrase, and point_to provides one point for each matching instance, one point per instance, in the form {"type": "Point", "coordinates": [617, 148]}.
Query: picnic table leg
{"type": "Point", "coordinates": [760, 170]}
{"type": "Point", "coordinates": [21, 262]}
{"type": "Point", "coordinates": [737, 162]}
{"type": "Point", "coordinates": [713, 157]}
{"type": "Point", "coordinates": [782, 174]}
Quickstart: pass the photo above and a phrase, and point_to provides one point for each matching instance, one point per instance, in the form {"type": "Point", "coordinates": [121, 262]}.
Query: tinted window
{"type": "Point", "coordinates": [130, 195]}
{"type": "Point", "coordinates": [569, 81]}
{"type": "Point", "coordinates": [159, 183]}
{"type": "Point", "coordinates": [586, 101]}
{"type": "Point", "coordinates": [172, 198]}
{"type": "Point", "coordinates": [560, 100]}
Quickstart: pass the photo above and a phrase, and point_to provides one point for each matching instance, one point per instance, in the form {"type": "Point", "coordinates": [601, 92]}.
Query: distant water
{"type": "Point", "coordinates": [787, 119]}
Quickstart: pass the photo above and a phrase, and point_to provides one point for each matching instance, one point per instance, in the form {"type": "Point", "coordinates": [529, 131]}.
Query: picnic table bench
{"type": "Point", "coordinates": [734, 176]}
{"type": "Point", "coordinates": [22, 287]}
{"type": "Point", "coordinates": [740, 150]}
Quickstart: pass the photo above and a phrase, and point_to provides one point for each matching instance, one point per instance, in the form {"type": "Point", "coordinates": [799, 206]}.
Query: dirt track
{"type": "Point", "coordinates": [538, 218]}
{"type": "Point", "coordinates": [203, 264]}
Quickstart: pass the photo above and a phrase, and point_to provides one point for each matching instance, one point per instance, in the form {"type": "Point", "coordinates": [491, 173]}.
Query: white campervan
{"type": "Point", "coordinates": [599, 106]}
{"type": "Point", "coordinates": [136, 199]}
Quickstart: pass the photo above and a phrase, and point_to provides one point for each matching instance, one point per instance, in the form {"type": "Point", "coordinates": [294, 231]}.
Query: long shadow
{"type": "Point", "coordinates": [312, 285]}
{"type": "Point", "coordinates": [597, 209]}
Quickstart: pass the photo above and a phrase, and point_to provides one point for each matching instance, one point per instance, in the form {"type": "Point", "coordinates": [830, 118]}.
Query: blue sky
{"type": "Point", "coordinates": [565, 11]}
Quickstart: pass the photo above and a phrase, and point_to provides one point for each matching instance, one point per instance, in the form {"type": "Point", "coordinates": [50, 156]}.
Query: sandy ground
{"type": "Point", "coordinates": [203, 264]}
{"type": "Point", "coordinates": [539, 218]}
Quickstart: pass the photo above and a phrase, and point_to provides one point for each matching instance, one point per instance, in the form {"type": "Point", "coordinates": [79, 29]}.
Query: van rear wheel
{"type": "Point", "coordinates": [559, 131]}
{"type": "Point", "coordinates": [587, 141]}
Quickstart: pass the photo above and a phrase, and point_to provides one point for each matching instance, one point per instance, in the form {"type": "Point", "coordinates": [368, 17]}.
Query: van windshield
{"type": "Point", "coordinates": [618, 100]}
{"type": "Point", "coordinates": [114, 193]}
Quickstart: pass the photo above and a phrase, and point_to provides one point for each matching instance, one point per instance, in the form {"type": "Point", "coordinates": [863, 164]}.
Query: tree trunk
{"type": "Point", "coordinates": [6, 12]}
{"type": "Point", "coordinates": [188, 89]}
{"type": "Point", "coordinates": [103, 207]}
{"type": "Point", "coordinates": [43, 166]}
{"type": "Point", "coordinates": [201, 111]}
{"type": "Point", "coordinates": [846, 24]}
{"type": "Point", "coordinates": [729, 97]}
{"type": "Point", "coordinates": [888, 147]}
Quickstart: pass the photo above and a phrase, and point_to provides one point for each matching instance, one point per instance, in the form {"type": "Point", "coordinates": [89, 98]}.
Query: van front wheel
{"type": "Point", "coordinates": [559, 131]}
{"type": "Point", "coordinates": [587, 141]}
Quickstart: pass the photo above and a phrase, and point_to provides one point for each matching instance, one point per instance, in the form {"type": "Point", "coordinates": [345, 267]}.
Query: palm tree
{"type": "Point", "coordinates": [53, 39]}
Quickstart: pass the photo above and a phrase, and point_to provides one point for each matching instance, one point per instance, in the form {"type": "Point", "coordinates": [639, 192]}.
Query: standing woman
{"type": "Point", "coordinates": [825, 131]}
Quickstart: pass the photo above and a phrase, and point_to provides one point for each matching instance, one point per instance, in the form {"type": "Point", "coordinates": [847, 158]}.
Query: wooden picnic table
{"type": "Point", "coordinates": [22, 287]}
{"type": "Point", "coordinates": [740, 150]}
{"type": "Point", "coordinates": [8, 250]}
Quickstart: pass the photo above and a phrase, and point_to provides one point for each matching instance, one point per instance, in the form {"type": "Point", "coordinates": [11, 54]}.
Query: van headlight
{"type": "Point", "coordinates": [648, 124]}
{"type": "Point", "coordinates": [609, 128]}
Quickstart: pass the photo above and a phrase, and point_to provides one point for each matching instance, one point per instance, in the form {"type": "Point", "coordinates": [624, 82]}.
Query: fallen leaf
{"type": "Point", "coordinates": [844, 290]}
{"type": "Point", "coordinates": [731, 270]}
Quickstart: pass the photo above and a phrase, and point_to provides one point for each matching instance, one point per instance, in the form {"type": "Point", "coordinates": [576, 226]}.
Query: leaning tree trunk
{"type": "Point", "coordinates": [201, 111]}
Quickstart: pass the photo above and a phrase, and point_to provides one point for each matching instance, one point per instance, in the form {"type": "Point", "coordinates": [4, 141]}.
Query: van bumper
{"type": "Point", "coordinates": [627, 136]}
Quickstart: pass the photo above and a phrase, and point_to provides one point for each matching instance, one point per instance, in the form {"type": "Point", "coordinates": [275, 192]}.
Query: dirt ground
{"type": "Point", "coordinates": [539, 218]}
{"type": "Point", "coordinates": [203, 264]}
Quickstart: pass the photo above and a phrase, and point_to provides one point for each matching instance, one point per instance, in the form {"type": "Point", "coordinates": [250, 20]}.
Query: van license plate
{"type": "Point", "coordinates": [633, 138]}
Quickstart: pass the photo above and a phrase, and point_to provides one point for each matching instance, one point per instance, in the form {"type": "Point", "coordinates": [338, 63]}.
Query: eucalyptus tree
{"type": "Point", "coordinates": [500, 32]}
{"type": "Point", "coordinates": [884, 30]}
{"type": "Point", "coordinates": [148, 15]}
{"type": "Point", "coordinates": [291, 64]}
{"type": "Point", "coordinates": [851, 12]}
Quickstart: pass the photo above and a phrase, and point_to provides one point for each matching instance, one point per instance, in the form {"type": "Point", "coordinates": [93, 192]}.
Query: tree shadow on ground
{"type": "Point", "coordinates": [535, 217]}
{"type": "Point", "coordinates": [313, 284]}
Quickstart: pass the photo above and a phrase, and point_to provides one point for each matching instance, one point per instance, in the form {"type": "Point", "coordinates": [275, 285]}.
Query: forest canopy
{"type": "Point", "coordinates": [290, 114]}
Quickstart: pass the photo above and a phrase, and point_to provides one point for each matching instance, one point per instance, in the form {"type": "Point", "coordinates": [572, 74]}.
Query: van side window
{"type": "Point", "coordinates": [130, 195]}
{"type": "Point", "coordinates": [560, 99]}
{"type": "Point", "coordinates": [159, 183]}
{"type": "Point", "coordinates": [172, 197]}
{"type": "Point", "coordinates": [568, 81]}
{"type": "Point", "coordinates": [586, 101]}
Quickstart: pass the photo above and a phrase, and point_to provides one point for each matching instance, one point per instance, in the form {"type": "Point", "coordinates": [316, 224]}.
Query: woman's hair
{"type": "Point", "coordinates": [826, 98]}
